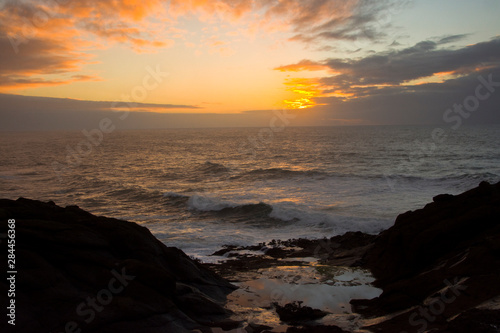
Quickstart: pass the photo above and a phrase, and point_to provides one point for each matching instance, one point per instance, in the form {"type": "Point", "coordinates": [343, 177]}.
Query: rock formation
{"type": "Point", "coordinates": [81, 273]}
{"type": "Point", "coordinates": [438, 264]}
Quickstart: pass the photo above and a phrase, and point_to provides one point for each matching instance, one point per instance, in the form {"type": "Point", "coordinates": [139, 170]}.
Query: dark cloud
{"type": "Point", "coordinates": [35, 103]}
{"type": "Point", "coordinates": [452, 38]}
{"type": "Point", "coordinates": [38, 56]}
{"type": "Point", "coordinates": [396, 67]}
{"type": "Point", "coordinates": [365, 20]}
{"type": "Point", "coordinates": [412, 85]}
{"type": "Point", "coordinates": [422, 104]}
{"type": "Point", "coordinates": [37, 62]}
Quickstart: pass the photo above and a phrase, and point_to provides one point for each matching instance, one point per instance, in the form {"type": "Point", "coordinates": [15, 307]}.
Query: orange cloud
{"type": "Point", "coordinates": [306, 90]}
{"type": "Point", "coordinates": [394, 72]}
{"type": "Point", "coordinates": [300, 103]}
{"type": "Point", "coordinates": [304, 65]}
{"type": "Point", "coordinates": [72, 29]}
{"type": "Point", "coordinates": [311, 90]}
{"type": "Point", "coordinates": [111, 20]}
{"type": "Point", "coordinates": [311, 15]}
{"type": "Point", "coordinates": [41, 42]}
{"type": "Point", "coordinates": [39, 62]}
{"type": "Point", "coordinates": [208, 10]}
{"type": "Point", "coordinates": [134, 10]}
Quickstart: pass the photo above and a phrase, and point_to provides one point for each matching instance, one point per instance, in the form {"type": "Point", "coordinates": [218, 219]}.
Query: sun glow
{"type": "Point", "coordinates": [301, 103]}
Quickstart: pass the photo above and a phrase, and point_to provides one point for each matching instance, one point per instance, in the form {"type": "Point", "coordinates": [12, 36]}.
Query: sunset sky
{"type": "Point", "coordinates": [231, 62]}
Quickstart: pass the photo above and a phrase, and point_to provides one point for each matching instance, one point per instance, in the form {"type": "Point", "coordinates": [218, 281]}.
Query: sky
{"type": "Point", "coordinates": [65, 64]}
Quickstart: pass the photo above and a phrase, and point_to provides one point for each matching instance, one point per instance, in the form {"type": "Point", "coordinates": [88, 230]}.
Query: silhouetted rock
{"type": "Point", "coordinates": [256, 328]}
{"type": "Point", "coordinates": [316, 329]}
{"type": "Point", "coordinates": [295, 313]}
{"type": "Point", "coordinates": [79, 271]}
{"type": "Point", "coordinates": [443, 259]}
{"type": "Point", "coordinates": [475, 320]}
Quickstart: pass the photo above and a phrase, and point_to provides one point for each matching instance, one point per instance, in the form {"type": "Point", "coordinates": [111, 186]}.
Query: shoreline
{"type": "Point", "coordinates": [432, 266]}
{"type": "Point", "coordinates": [298, 271]}
{"type": "Point", "coordinates": [436, 268]}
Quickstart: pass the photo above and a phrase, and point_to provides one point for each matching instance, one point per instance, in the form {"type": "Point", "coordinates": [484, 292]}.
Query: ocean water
{"type": "Point", "coordinates": [198, 189]}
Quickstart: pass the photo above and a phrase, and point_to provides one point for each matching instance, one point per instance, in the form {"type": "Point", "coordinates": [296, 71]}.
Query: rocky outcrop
{"type": "Point", "coordinates": [437, 264]}
{"type": "Point", "coordinates": [77, 271]}
{"type": "Point", "coordinates": [344, 250]}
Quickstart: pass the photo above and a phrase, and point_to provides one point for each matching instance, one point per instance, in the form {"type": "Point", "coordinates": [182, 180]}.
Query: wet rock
{"type": "Point", "coordinates": [294, 313]}
{"type": "Point", "coordinates": [255, 328]}
{"type": "Point", "coordinates": [316, 329]}
{"type": "Point", "coordinates": [343, 250]}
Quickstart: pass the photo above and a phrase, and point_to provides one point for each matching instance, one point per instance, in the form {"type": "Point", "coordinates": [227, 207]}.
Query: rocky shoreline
{"type": "Point", "coordinates": [437, 269]}
{"type": "Point", "coordinates": [81, 273]}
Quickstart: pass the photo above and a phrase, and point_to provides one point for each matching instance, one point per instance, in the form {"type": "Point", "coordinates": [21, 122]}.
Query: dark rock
{"type": "Point", "coordinates": [255, 328]}
{"type": "Point", "coordinates": [105, 275]}
{"type": "Point", "coordinates": [343, 250]}
{"type": "Point", "coordinates": [295, 313]}
{"type": "Point", "coordinates": [226, 249]}
{"type": "Point", "coordinates": [475, 320]}
{"type": "Point", "coordinates": [442, 198]}
{"type": "Point", "coordinates": [316, 329]}
{"type": "Point", "coordinates": [449, 250]}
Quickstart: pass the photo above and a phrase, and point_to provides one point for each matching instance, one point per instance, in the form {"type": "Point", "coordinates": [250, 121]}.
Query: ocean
{"type": "Point", "coordinates": [198, 189]}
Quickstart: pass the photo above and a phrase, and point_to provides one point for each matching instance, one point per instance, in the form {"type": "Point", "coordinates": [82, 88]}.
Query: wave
{"type": "Point", "coordinates": [235, 212]}
{"type": "Point", "coordinates": [264, 215]}
{"type": "Point", "coordinates": [331, 223]}
{"type": "Point", "coordinates": [201, 203]}
{"type": "Point", "coordinates": [207, 204]}
{"type": "Point", "coordinates": [212, 168]}
{"type": "Point", "coordinates": [476, 176]}
{"type": "Point", "coordinates": [133, 193]}
{"type": "Point", "coordinates": [487, 176]}
{"type": "Point", "coordinates": [176, 199]}
{"type": "Point", "coordinates": [273, 173]}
